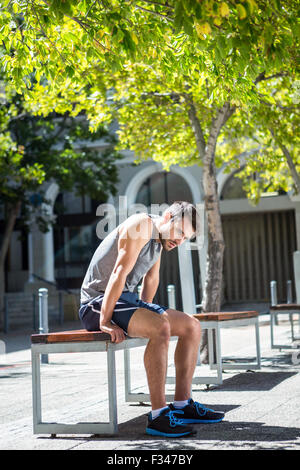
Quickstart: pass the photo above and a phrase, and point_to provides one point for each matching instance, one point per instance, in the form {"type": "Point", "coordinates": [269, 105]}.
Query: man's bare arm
{"type": "Point", "coordinates": [128, 251]}
{"type": "Point", "coordinates": [150, 282]}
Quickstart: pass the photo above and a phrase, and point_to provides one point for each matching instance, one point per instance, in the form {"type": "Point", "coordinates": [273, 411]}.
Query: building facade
{"type": "Point", "coordinates": [260, 241]}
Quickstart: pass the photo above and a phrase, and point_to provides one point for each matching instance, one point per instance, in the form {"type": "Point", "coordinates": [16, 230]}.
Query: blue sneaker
{"type": "Point", "coordinates": [194, 412]}
{"type": "Point", "coordinates": [166, 424]}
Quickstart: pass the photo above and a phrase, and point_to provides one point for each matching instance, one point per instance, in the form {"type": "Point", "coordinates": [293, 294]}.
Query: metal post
{"type": "Point", "coordinates": [171, 296]}
{"type": "Point", "coordinates": [273, 293]}
{"type": "Point", "coordinates": [43, 317]}
{"type": "Point", "coordinates": [274, 297]}
{"type": "Point", "coordinates": [289, 296]}
{"type": "Point", "coordinates": [33, 313]}
{"type": "Point", "coordinates": [289, 301]}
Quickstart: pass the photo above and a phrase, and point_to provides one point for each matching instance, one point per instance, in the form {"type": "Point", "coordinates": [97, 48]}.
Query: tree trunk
{"type": "Point", "coordinates": [211, 301]}
{"type": "Point", "coordinates": [11, 220]}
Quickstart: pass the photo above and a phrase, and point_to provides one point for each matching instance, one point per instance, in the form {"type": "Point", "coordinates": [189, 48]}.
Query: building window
{"type": "Point", "coordinates": [163, 187]}
{"type": "Point", "coordinates": [75, 238]}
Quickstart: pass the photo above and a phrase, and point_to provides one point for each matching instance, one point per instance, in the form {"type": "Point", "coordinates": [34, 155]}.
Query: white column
{"type": "Point", "coordinates": [297, 275]}
{"type": "Point", "coordinates": [202, 242]}
{"type": "Point", "coordinates": [187, 278]}
{"type": "Point", "coordinates": [296, 256]}
{"type": "Point", "coordinates": [48, 255]}
{"type": "Point", "coordinates": [41, 250]}
{"type": "Point", "coordinates": [297, 222]}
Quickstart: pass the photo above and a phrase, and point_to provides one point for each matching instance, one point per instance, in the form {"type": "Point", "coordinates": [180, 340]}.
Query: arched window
{"type": "Point", "coordinates": [75, 238]}
{"type": "Point", "coordinates": [163, 187]}
{"type": "Point", "coordinates": [233, 188]}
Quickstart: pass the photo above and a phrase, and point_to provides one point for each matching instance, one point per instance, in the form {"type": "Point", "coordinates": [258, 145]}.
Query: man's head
{"type": "Point", "coordinates": [179, 223]}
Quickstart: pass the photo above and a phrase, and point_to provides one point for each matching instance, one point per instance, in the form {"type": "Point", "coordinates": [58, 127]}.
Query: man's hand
{"type": "Point", "coordinates": [116, 333]}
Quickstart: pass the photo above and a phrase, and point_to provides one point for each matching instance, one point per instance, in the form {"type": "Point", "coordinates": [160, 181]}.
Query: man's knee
{"type": "Point", "coordinates": [163, 330]}
{"type": "Point", "coordinates": [146, 324]}
{"type": "Point", "coordinates": [192, 328]}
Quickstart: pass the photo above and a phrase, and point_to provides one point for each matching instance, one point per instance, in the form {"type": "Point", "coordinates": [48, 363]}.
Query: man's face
{"type": "Point", "coordinates": [174, 232]}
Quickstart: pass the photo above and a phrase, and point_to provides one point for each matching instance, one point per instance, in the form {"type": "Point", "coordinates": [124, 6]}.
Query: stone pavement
{"type": "Point", "coordinates": [262, 407]}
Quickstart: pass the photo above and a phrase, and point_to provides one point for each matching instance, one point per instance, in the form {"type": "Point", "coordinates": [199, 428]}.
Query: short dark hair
{"type": "Point", "coordinates": [181, 209]}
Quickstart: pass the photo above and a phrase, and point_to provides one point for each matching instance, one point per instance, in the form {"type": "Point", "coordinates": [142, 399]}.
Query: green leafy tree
{"type": "Point", "coordinates": [180, 74]}
{"type": "Point", "coordinates": [269, 136]}
{"type": "Point", "coordinates": [34, 151]}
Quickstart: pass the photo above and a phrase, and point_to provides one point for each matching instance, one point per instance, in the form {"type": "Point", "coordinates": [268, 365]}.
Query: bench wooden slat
{"type": "Point", "coordinates": [223, 316]}
{"type": "Point", "coordinates": [69, 336]}
{"type": "Point", "coordinates": [285, 307]}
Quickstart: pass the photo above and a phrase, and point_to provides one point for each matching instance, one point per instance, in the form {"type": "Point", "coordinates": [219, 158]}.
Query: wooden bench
{"type": "Point", "coordinates": [83, 341]}
{"type": "Point", "coordinates": [214, 321]}
{"type": "Point", "coordinates": [287, 309]}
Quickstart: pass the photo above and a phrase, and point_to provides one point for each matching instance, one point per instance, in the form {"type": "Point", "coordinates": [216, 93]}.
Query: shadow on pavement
{"type": "Point", "coordinates": [253, 381]}
{"type": "Point", "coordinates": [239, 434]}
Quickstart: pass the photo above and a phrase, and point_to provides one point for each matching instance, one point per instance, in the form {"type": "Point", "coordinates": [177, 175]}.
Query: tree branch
{"type": "Point", "coordinates": [262, 76]}
{"type": "Point", "coordinates": [165, 5]}
{"type": "Point", "coordinates": [166, 17]}
{"type": "Point", "coordinates": [289, 160]}
{"type": "Point", "coordinates": [196, 125]}
{"type": "Point", "coordinates": [216, 125]}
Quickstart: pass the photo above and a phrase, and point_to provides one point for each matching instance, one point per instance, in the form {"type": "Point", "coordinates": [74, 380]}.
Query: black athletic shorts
{"type": "Point", "coordinates": [125, 307]}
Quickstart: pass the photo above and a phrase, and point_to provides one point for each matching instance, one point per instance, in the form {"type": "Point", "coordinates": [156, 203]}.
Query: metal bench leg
{"type": "Point", "coordinates": [291, 318]}
{"type": "Point", "coordinates": [272, 329]}
{"type": "Point", "coordinates": [36, 389]}
{"type": "Point", "coordinates": [211, 352]}
{"type": "Point", "coordinates": [112, 390]}
{"type": "Point", "coordinates": [218, 354]}
{"type": "Point", "coordinates": [127, 374]}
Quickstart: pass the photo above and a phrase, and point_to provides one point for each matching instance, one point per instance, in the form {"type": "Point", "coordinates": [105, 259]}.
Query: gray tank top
{"type": "Point", "coordinates": [104, 259]}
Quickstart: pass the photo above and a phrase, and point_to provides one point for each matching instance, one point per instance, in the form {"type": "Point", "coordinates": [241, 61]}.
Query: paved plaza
{"type": "Point", "coordinates": [262, 407]}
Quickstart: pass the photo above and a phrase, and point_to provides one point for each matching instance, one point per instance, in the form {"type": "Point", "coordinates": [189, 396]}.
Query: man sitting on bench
{"type": "Point", "coordinates": [132, 252]}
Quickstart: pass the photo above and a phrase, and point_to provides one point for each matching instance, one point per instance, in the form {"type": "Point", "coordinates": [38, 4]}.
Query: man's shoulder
{"type": "Point", "coordinates": [137, 219]}
{"type": "Point", "coordinates": [137, 226]}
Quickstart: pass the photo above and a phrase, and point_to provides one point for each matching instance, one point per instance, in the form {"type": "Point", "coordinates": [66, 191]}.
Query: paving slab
{"type": "Point", "coordinates": [262, 407]}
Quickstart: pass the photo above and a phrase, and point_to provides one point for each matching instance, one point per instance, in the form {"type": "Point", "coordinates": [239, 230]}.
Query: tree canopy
{"type": "Point", "coordinates": [230, 42]}
{"type": "Point", "coordinates": [189, 81]}
{"type": "Point", "coordinates": [69, 55]}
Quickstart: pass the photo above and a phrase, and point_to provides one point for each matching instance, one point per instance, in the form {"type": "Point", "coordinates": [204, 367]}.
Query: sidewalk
{"type": "Point", "coordinates": [262, 407]}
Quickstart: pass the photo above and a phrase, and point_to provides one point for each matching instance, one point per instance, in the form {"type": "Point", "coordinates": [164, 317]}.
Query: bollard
{"type": "Point", "coordinates": [43, 317]}
{"type": "Point", "coordinates": [274, 297]}
{"type": "Point", "coordinates": [171, 296]}
{"type": "Point", "coordinates": [289, 296]}
{"type": "Point", "coordinates": [273, 293]}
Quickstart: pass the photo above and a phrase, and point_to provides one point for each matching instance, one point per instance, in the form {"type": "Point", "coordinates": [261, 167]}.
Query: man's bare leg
{"type": "Point", "coordinates": [148, 324]}
{"type": "Point", "coordinates": [159, 328]}
{"type": "Point", "coordinates": [188, 331]}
